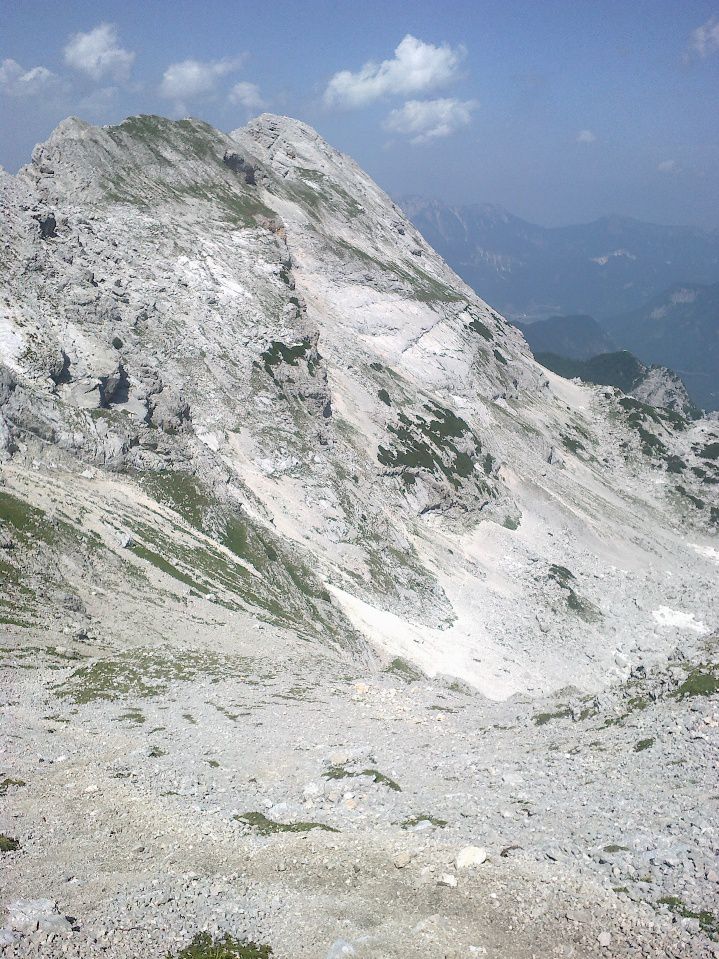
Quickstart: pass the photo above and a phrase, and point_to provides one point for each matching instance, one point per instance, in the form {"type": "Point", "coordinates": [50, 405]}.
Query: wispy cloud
{"type": "Point", "coordinates": [416, 67]}
{"type": "Point", "coordinates": [193, 78]}
{"type": "Point", "coordinates": [705, 39]}
{"type": "Point", "coordinates": [17, 82]}
{"type": "Point", "coordinates": [668, 166]}
{"type": "Point", "coordinates": [247, 95]}
{"type": "Point", "coordinates": [98, 54]}
{"type": "Point", "coordinates": [426, 120]}
{"type": "Point", "coordinates": [586, 136]}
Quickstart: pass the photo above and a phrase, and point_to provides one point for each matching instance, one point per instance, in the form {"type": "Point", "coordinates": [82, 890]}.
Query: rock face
{"type": "Point", "coordinates": [250, 318]}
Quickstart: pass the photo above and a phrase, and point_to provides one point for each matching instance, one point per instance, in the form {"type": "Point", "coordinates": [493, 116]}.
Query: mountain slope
{"type": "Point", "coordinates": [252, 313]}
{"type": "Point", "coordinates": [680, 327]}
{"type": "Point", "coordinates": [654, 385]}
{"type": "Point", "coordinates": [602, 268]}
{"type": "Point", "coordinates": [313, 577]}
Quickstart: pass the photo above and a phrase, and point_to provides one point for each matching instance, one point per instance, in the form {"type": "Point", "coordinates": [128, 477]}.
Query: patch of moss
{"type": "Point", "coordinates": [571, 444]}
{"type": "Point", "coordinates": [710, 451]}
{"type": "Point", "coordinates": [541, 719]}
{"type": "Point", "coordinates": [703, 681]}
{"type": "Point", "coordinates": [405, 670]}
{"type": "Point", "coordinates": [279, 352]}
{"type": "Point", "coordinates": [267, 827]}
{"type": "Point", "coordinates": [416, 820]}
{"type": "Point", "coordinates": [430, 445]}
{"type": "Point", "coordinates": [644, 744]}
{"type": "Point", "coordinates": [8, 782]}
{"type": "Point", "coordinates": [476, 326]}
{"type": "Point", "coordinates": [708, 922]}
{"type": "Point", "coordinates": [339, 772]}
{"type": "Point", "coordinates": [204, 946]}
{"type": "Point", "coordinates": [694, 500]}
{"type": "Point", "coordinates": [145, 673]}
{"type": "Point", "coordinates": [675, 464]}
{"type": "Point", "coordinates": [8, 844]}
{"type": "Point", "coordinates": [614, 847]}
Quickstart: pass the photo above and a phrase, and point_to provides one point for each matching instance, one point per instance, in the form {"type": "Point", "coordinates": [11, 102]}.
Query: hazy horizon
{"type": "Point", "coordinates": [560, 113]}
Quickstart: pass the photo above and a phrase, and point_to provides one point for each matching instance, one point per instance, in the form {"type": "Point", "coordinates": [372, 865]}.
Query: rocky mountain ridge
{"type": "Point", "coordinates": [262, 449]}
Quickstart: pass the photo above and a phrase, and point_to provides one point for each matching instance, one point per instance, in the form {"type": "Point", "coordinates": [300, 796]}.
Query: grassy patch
{"type": "Point", "coordinates": [700, 682]}
{"type": "Point", "coordinates": [710, 451]}
{"type": "Point", "coordinates": [145, 673]}
{"type": "Point", "coordinates": [8, 844]}
{"type": "Point", "coordinates": [442, 444]}
{"type": "Point", "coordinates": [405, 670]}
{"type": "Point", "coordinates": [644, 744]}
{"type": "Point", "coordinates": [416, 820]}
{"type": "Point", "coordinates": [541, 719]}
{"type": "Point", "coordinates": [476, 326]}
{"type": "Point", "coordinates": [267, 827]}
{"type": "Point", "coordinates": [204, 946]}
{"type": "Point", "coordinates": [708, 922]}
{"type": "Point", "coordinates": [614, 847]}
{"type": "Point", "coordinates": [563, 577]}
{"type": "Point", "coordinates": [340, 772]}
{"type": "Point", "coordinates": [8, 783]}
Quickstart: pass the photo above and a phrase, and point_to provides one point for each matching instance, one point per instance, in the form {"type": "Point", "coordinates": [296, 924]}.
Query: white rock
{"type": "Point", "coordinates": [471, 856]}
{"type": "Point", "coordinates": [447, 879]}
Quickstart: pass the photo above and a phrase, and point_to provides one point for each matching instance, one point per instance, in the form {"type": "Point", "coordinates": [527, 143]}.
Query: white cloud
{"type": "Point", "coordinates": [99, 54]}
{"type": "Point", "coordinates": [426, 120]}
{"type": "Point", "coordinates": [668, 166]}
{"type": "Point", "coordinates": [416, 67]}
{"type": "Point", "coordinates": [191, 78]}
{"type": "Point", "coordinates": [586, 136]}
{"type": "Point", "coordinates": [18, 82]}
{"type": "Point", "coordinates": [705, 39]}
{"type": "Point", "coordinates": [247, 95]}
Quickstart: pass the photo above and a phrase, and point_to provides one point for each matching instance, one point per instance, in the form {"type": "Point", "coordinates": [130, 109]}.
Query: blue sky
{"type": "Point", "coordinates": [559, 111]}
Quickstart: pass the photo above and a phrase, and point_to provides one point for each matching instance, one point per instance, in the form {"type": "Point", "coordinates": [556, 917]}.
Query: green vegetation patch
{"type": "Point", "coordinates": [384, 396]}
{"type": "Point", "coordinates": [644, 744]}
{"type": "Point", "coordinates": [340, 772]}
{"type": "Point", "coordinates": [279, 352]}
{"type": "Point", "coordinates": [405, 670]}
{"type": "Point", "coordinates": [267, 827]}
{"type": "Point", "coordinates": [437, 444]}
{"type": "Point", "coordinates": [423, 817]}
{"type": "Point", "coordinates": [708, 922]}
{"type": "Point", "coordinates": [9, 783]}
{"type": "Point", "coordinates": [204, 946]}
{"type": "Point", "coordinates": [563, 577]}
{"type": "Point", "coordinates": [710, 451]}
{"type": "Point", "coordinates": [476, 326]}
{"type": "Point", "coordinates": [145, 673]}
{"type": "Point", "coordinates": [703, 681]}
{"type": "Point", "coordinates": [8, 844]}
{"type": "Point", "coordinates": [541, 719]}
{"type": "Point", "coordinates": [614, 847]}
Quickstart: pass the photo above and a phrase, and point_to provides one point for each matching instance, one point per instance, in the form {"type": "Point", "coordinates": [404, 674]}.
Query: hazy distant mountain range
{"type": "Point", "coordinates": [652, 289]}
{"type": "Point", "coordinates": [604, 268]}
{"type": "Point", "coordinates": [574, 337]}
